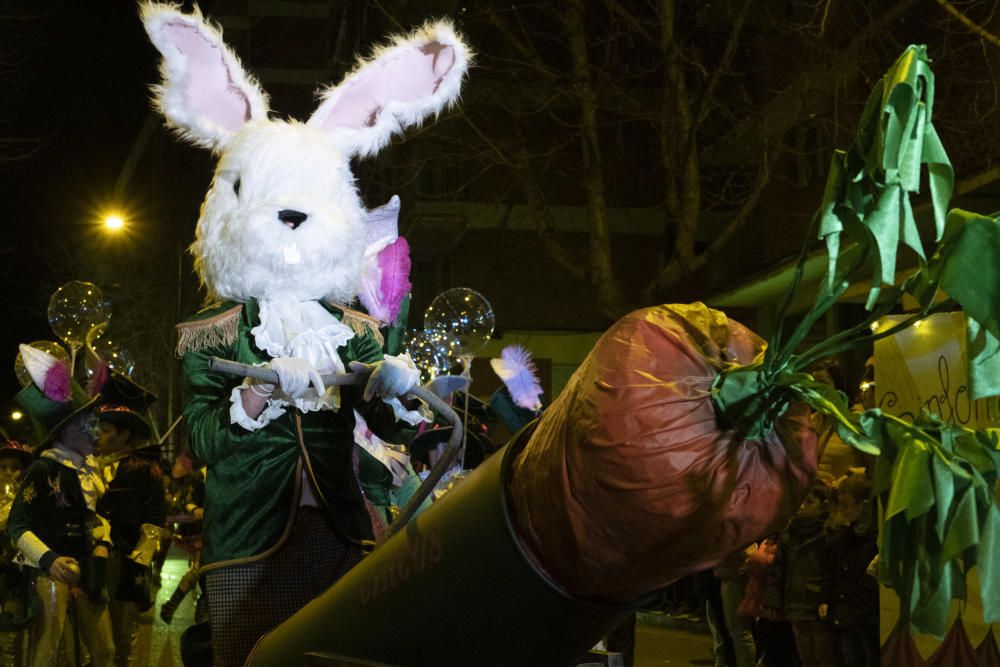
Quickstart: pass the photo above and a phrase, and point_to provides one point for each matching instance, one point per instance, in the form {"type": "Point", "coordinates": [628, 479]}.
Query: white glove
{"type": "Point", "coordinates": [391, 377]}
{"type": "Point", "coordinates": [296, 375]}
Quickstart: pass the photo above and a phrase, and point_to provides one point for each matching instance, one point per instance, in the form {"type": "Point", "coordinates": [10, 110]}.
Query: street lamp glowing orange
{"type": "Point", "coordinates": [114, 222]}
{"type": "Point", "coordinates": [16, 415]}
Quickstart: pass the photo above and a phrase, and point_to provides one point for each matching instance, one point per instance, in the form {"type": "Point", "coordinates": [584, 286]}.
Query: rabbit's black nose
{"type": "Point", "coordinates": [292, 218]}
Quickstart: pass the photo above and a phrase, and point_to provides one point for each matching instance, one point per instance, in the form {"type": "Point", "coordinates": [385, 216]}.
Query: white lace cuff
{"type": "Point", "coordinates": [32, 547]}
{"type": "Point", "coordinates": [411, 417]}
{"type": "Point", "coordinates": [237, 415]}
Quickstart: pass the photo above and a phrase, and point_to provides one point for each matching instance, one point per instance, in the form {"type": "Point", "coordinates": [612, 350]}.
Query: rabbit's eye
{"type": "Point", "coordinates": [236, 187]}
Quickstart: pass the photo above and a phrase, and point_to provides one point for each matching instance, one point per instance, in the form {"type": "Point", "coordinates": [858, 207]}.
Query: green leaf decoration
{"type": "Point", "coordinates": [937, 486]}
{"type": "Point", "coordinates": [989, 567]}
{"type": "Point", "coordinates": [963, 528]}
{"type": "Point", "coordinates": [868, 189]}
{"type": "Point", "coordinates": [830, 402]}
{"type": "Point", "coordinates": [966, 267]}
{"type": "Point", "coordinates": [944, 492]}
{"type": "Point", "coordinates": [911, 479]}
{"type": "Point", "coordinates": [742, 403]}
{"type": "Point", "coordinates": [936, 483]}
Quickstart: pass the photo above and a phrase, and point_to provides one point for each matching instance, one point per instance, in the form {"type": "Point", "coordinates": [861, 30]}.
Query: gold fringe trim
{"type": "Point", "coordinates": [360, 323]}
{"type": "Point", "coordinates": [220, 329]}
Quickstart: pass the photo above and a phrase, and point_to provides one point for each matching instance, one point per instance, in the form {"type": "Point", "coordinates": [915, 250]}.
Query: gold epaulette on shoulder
{"type": "Point", "coordinates": [220, 329]}
{"type": "Point", "coordinates": [360, 323]}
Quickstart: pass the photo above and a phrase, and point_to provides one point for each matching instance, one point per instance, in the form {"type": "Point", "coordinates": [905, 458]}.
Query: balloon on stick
{"type": "Point", "coordinates": [104, 345]}
{"type": "Point", "coordinates": [464, 315]}
{"type": "Point", "coordinates": [75, 309]}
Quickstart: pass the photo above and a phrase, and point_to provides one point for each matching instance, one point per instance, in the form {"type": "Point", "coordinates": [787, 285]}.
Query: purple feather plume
{"type": "Point", "coordinates": [384, 298]}
{"type": "Point", "coordinates": [99, 378]}
{"type": "Point", "coordinates": [57, 382]}
{"type": "Point", "coordinates": [519, 375]}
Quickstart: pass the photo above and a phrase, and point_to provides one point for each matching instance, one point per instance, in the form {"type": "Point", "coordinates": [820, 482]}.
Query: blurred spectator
{"type": "Point", "coordinates": [802, 556]}
{"type": "Point", "coordinates": [18, 603]}
{"type": "Point", "coordinates": [835, 456]}
{"type": "Point", "coordinates": [722, 644]}
{"type": "Point", "coordinates": [850, 596]}
{"type": "Point", "coordinates": [134, 505]}
{"type": "Point", "coordinates": [773, 632]}
{"type": "Point", "coordinates": [732, 576]}
{"type": "Point", "coordinates": [185, 499]}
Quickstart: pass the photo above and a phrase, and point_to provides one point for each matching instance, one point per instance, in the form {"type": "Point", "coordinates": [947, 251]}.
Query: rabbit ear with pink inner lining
{"type": "Point", "coordinates": [413, 77]}
{"type": "Point", "coordinates": [205, 94]}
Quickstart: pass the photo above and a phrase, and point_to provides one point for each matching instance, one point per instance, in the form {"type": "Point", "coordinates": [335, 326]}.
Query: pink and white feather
{"type": "Point", "coordinates": [385, 279]}
{"type": "Point", "coordinates": [50, 374]}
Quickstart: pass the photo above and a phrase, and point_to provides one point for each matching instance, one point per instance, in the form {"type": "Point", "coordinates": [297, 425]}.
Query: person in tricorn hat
{"type": "Point", "coordinates": [134, 504]}
{"type": "Point", "coordinates": [53, 520]}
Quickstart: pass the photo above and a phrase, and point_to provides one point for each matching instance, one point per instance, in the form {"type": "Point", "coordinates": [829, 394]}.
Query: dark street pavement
{"type": "Point", "coordinates": [658, 643]}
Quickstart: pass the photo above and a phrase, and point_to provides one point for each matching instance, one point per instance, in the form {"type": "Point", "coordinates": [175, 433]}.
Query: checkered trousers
{"type": "Point", "coordinates": [247, 601]}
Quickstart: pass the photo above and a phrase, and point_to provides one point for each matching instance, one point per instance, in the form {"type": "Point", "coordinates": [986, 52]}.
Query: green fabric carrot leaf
{"type": "Point", "coordinates": [869, 186]}
{"type": "Point", "coordinates": [936, 482]}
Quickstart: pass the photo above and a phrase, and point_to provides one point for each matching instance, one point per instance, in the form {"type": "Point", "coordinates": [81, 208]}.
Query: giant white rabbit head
{"type": "Point", "coordinates": [283, 219]}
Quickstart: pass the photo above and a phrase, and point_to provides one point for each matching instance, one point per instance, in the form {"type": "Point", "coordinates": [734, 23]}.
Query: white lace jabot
{"type": "Point", "coordinates": [307, 330]}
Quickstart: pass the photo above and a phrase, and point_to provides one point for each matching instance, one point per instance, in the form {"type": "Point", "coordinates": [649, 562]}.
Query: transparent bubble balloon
{"type": "Point", "coordinates": [75, 309]}
{"type": "Point", "coordinates": [463, 314]}
{"type": "Point", "coordinates": [49, 347]}
{"type": "Point", "coordinates": [104, 345]}
{"type": "Point", "coordinates": [433, 353]}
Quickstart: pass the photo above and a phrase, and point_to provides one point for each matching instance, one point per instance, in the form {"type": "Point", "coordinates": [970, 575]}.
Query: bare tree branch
{"type": "Point", "coordinates": [610, 294]}
{"type": "Point", "coordinates": [743, 145]}
{"type": "Point", "coordinates": [969, 23]}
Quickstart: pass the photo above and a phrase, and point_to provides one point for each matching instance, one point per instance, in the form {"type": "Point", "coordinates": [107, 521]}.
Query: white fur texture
{"type": "Point", "coordinates": [394, 116]}
{"type": "Point", "coordinates": [241, 245]}
{"type": "Point", "coordinates": [242, 248]}
{"type": "Point", "coordinates": [191, 121]}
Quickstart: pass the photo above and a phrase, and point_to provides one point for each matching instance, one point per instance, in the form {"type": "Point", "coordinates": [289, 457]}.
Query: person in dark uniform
{"type": "Point", "coordinates": [53, 520]}
{"type": "Point", "coordinates": [135, 506]}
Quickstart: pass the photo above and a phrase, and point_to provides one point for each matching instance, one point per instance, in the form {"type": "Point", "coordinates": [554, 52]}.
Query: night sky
{"type": "Point", "coordinates": [77, 80]}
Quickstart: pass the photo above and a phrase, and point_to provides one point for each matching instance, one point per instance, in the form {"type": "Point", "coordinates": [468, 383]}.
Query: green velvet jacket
{"type": "Point", "coordinates": [253, 485]}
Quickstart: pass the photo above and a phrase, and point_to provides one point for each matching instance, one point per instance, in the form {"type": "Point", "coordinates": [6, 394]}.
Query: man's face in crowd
{"type": "Point", "coordinates": [110, 438]}
{"type": "Point", "coordinates": [10, 467]}
{"type": "Point", "coordinates": [179, 469]}
{"type": "Point", "coordinates": [80, 434]}
{"type": "Point", "coordinates": [824, 377]}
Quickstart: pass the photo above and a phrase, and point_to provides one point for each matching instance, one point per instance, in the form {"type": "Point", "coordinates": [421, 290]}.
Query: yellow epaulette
{"type": "Point", "coordinates": [219, 329]}
{"type": "Point", "coordinates": [360, 323]}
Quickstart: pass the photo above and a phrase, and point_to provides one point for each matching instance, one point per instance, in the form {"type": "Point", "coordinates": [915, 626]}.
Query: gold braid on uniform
{"type": "Point", "coordinates": [220, 329]}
